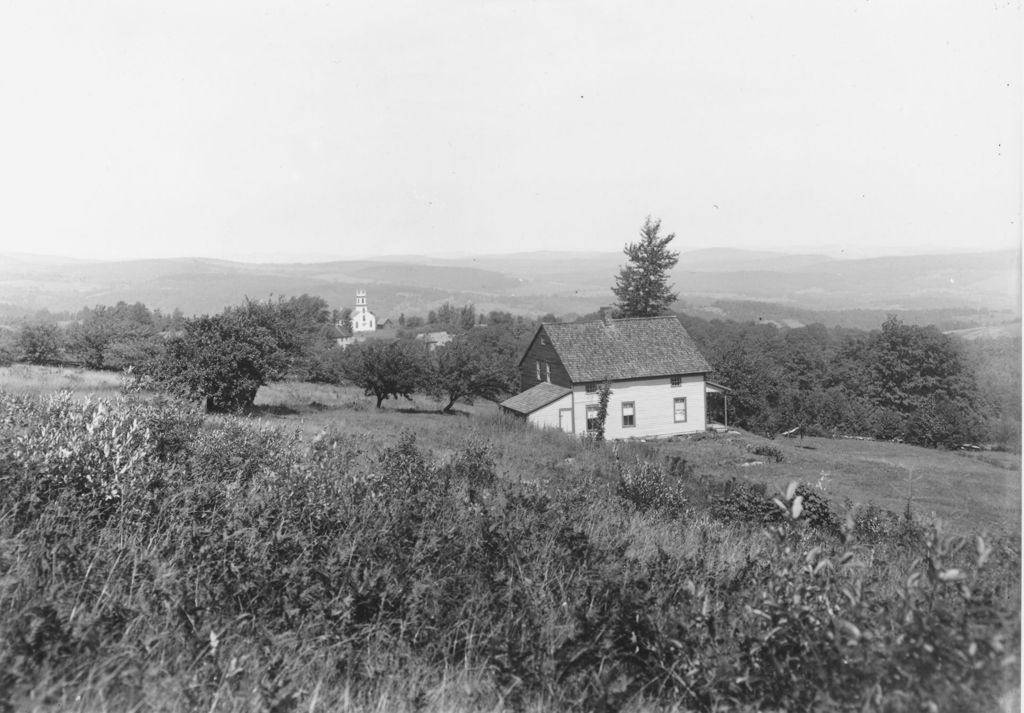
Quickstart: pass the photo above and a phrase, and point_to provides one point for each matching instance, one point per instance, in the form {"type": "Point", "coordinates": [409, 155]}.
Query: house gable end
{"type": "Point", "coordinates": [542, 363]}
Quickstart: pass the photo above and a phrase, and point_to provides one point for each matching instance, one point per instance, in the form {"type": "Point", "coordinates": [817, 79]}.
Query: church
{"type": "Point", "coordinates": [362, 318]}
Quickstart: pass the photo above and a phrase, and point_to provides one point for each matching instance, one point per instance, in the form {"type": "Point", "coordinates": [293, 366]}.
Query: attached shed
{"type": "Point", "coordinates": [545, 405]}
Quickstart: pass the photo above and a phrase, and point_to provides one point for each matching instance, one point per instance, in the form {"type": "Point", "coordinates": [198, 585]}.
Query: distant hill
{"type": "Point", "coordinates": [982, 289]}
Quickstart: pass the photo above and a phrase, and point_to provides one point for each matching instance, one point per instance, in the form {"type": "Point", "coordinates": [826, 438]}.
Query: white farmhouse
{"type": "Point", "coordinates": [362, 319]}
{"type": "Point", "coordinates": [656, 374]}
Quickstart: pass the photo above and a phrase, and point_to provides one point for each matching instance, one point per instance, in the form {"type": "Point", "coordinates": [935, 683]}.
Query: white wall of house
{"type": "Point", "coordinates": [654, 407]}
{"type": "Point", "coordinates": [548, 416]}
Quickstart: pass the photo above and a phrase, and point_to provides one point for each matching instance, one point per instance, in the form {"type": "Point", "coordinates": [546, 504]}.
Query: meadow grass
{"type": "Point", "coordinates": [322, 554]}
{"type": "Point", "coordinates": [965, 491]}
{"type": "Point", "coordinates": [31, 379]}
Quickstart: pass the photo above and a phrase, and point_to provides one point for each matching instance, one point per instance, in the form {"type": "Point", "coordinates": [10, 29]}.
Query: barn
{"type": "Point", "coordinates": [657, 376]}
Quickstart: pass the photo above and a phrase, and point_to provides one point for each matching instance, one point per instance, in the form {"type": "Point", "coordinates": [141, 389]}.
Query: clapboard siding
{"type": "Point", "coordinates": [541, 350]}
{"type": "Point", "coordinates": [653, 403]}
{"type": "Point", "coordinates": [547, 416]}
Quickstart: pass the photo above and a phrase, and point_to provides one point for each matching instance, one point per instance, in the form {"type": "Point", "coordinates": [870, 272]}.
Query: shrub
{"type": "Point", "coordinates": [474, 466]}
{"type": "Point", "coordinates": [249, 570]}
{"type": "Point", "coordinates": [39, 343]}
{"type": "Point", "coordinates": [818, 511]}
{"type": "Point", "coordinates": [646, 485]}
{"type": "Point", "coordinates": [771, 452]}
{"type": "Point", "coordinates": [744, 502]}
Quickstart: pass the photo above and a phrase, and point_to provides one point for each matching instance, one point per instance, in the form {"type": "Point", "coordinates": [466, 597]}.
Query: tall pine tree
{"type": "Point", "coordinates": [642, 286]}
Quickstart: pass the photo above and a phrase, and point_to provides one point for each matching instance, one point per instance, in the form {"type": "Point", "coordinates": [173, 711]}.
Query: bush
{"type": "Point", "coordinates": [646, 485]}
{"type": "Point", "coordinates": [771, 452]}
{"type": "Point", "coordinates": [243, 568]}
{"type": "Point", "coordinates": [744, 502]}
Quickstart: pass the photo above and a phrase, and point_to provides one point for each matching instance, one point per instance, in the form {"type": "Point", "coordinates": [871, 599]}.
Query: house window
{"type": "Point", "coordinates": [591, 388]}
{"type": "Point", "coordinates": [679, 410]}
{"type": "Point", "coordinates": [628, 414]}
{"type": "Point", "coordinates": [543, 371]}
{"type": "Point", "coordinates": [676, 381]}
{"type": "Point", "coordinates": [592, 418]}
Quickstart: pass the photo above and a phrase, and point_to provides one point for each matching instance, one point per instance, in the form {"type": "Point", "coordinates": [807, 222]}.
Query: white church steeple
{"type": "Point", "coordinates": [362, 319]}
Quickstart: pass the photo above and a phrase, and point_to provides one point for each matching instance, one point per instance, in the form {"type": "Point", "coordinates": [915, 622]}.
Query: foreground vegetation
{"type": "Point", "coordinates": [155, 558]}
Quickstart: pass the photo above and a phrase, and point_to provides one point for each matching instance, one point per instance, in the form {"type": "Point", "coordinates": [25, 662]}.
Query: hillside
{"type": "Point", "coordinates": [326, 555]}
{"type": "Point", "coordinates": [982, 288]}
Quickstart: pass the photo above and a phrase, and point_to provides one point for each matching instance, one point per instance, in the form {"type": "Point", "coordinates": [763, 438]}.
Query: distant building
{"type": "Point", "coordinates": [362, 318]}
{"type": "Point", "coordinates": [656, 374]}
{"type": "Point", "coordinates": [433, 340]}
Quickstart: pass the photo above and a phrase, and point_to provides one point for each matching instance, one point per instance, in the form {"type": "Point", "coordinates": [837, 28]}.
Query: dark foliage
{"type": "Point", "coordinates": [224, 359]}
{"type": "Point", "coordinates": [385, 369]}
{"type": "Point", "coordinates": [901, 382]}
{"type": "Point", "coordinates": [39, 343]}
{"type": "Point", "coordinates": [476, 364]}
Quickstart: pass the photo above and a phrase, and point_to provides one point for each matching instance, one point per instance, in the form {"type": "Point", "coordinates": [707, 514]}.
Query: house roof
{"type": "Point", "coordinates": [436, 337]}
{"type": "Point", "coordinates": [625, 349]}
{"type": "Point", "coordinates": [534, 398]}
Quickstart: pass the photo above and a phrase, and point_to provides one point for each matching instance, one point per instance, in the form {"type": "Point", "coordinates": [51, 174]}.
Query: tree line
{"type": "Point", "coordinates": [223, 359]}
{"type": "Point", "coordinates": [898, 382]}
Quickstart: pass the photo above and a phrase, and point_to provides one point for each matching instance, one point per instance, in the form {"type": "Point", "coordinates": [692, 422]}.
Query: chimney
{"type": "Point", "coordinates": [606, 316]}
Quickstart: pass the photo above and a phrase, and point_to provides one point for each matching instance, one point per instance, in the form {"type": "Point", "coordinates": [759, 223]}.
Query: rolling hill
{"type": "Point", "coordinates": [809, 286]}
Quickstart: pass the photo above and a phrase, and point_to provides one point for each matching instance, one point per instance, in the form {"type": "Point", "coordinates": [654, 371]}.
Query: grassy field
{"type": "Point", "coordinates": [28, 379]}
{"type": "Point", "coordinates": [967, 491]}
{"type": "Point", "coordinates": [321, 554]}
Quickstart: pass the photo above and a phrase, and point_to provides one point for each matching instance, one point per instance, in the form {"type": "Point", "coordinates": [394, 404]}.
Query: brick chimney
{"type": "Point", "coordinates": [606, 316]}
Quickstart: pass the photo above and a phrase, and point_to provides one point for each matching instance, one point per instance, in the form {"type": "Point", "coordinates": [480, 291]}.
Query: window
{"type": "Point", "coordinates": [592, 418]}
{"type": "Point", "coordinates": [679, 409]}
{"type": "Point", "coordinates": [676, 381]}
{"type": "Point", "coordinates": [543, 371]}
{"type": "Point", "coordinates": [591, 388]}
{"type": "Point", "coordinates": [628, 414]}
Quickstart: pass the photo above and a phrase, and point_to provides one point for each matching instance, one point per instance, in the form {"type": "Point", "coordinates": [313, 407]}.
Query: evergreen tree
{"type": "Point", "coordinates": [642, 286]}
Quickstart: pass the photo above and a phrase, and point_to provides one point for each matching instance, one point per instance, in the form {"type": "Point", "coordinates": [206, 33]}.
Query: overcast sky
{"type": "Point", "coordinates": [248, 129]}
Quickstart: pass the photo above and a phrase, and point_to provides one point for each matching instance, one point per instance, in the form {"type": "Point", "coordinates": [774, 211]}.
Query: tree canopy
{"type": "Point", "coordinates": [642, 286]}
{"type": "Point", "coordinates": [385, 369]}
{"type": "Point", "coordinates": [475, 365]}
{"type": "Point", "coordinates": [227, 357]}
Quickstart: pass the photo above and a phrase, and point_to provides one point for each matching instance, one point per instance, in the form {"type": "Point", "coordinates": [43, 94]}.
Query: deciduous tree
{"type": "Point", "coordinates": [39, 342]}
{"type": "Point", "coordinates": [386, 369]}
{"type": "Point", "coordinates": [469, 368]}
{"type": "Point", "coordinates": [222, 359]}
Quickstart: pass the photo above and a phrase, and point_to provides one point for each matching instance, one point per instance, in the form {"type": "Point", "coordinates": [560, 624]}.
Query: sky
{"type": "Point", "coordinates": [268, 130]}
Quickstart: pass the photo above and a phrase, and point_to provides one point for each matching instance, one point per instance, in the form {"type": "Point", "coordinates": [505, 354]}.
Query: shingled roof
{"type": "Point", "coordinates": [625, 349]}
{"type": "Point", "coordinates": [532, 399]}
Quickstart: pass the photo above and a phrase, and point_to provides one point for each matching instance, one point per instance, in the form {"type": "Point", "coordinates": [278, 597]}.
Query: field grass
{"type": "Point", "coordinates": [29, 379]}
{"type": "Point", "coordinates": [321, 554]}
{"type": "Point", "coordinates": [963, 490]}
{"type": "Point", "coordinates": [966, 491]}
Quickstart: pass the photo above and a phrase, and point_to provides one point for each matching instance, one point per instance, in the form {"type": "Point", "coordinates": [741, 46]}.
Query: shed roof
{"type": "Point", "coordinates": [625, 349]}
{"type": "Point", "coordinates": [537, 397]}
